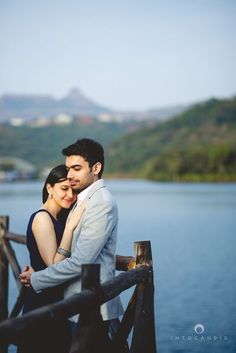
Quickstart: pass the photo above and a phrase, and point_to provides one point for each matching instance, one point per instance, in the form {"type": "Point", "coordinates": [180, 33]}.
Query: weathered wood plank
{"type": "Point", "coordinates": [139, 313]}
{"type": "Point", "coordinates": [4, 223]}
{"type": "Point", "coordinates": [12, 329]}
{"type": "Point", "coordinates": [119, 342]}
{"type": "Point", "coordinates": [19, 303]}
{"type": "Point", "coordinates": [89, 330]}
{"type": "Point", "coordinates": [17, 238]}
{"type": "Point", "coordinates": [4, 273]}
{"type": "Point", "coordinates": [144, 338]}
{"type": "Point", "coordinates": [12, 260]}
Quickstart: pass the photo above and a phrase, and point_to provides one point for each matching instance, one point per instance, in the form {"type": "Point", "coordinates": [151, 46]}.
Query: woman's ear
{"type": "Point", "coordinates": [49, 188]}
{"type": "Point", "coordinates": [96, 168]}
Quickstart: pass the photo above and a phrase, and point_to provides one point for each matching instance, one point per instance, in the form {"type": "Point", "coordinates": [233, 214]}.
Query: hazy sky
{"type": "Point", "coordinates": [123, 54]}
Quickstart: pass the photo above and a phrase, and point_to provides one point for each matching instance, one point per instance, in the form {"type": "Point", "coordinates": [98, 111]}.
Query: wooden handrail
{"type": "Point", "coordinates": [123, 263]}
{"type": "Point", "coordinates": [17, 238]}
{"type": "Point", "coordinates": [11, 330]}
{"type": "Point", "coordinates": [139, 314]}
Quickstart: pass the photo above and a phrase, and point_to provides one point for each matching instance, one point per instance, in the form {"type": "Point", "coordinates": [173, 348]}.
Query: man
{"type": "Point", "coordinates": [94, 239]}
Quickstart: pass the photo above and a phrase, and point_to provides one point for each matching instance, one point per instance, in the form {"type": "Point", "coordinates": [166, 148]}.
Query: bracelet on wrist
{"type": "Point", "coordinates": [63, 252]}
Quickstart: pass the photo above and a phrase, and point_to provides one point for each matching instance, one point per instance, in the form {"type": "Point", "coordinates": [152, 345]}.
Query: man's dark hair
{"type": "Point", "coordinates": [92, 151]}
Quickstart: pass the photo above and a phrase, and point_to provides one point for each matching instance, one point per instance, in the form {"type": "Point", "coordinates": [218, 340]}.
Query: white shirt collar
{"type": "Point", "coordinates": [82, 195]}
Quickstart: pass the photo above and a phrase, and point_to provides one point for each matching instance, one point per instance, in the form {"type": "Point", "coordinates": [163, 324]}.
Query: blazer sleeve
{"type": "Point", "coordinates": [101, 219]}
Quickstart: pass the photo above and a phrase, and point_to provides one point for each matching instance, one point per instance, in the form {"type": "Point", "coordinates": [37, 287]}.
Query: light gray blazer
{"type": "Point", "coordinates": [94, 241]}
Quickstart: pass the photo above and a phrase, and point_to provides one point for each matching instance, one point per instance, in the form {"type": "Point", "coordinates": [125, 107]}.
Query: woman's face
{"type": "Point", "coordinates": [62, 194]}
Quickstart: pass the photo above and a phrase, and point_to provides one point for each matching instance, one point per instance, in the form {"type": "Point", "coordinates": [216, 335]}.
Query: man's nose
{"type": "Point", "coordinates": [69, 174]}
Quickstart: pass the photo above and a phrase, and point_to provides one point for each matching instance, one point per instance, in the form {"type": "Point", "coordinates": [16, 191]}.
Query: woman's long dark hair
{"type": "Point", "coordinates": [56, 175]}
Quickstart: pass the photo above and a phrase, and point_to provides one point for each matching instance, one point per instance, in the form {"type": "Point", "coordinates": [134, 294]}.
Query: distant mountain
{"type": "Point", "coordinates": [29, 107]}
{"type": "Point", "coordinates": [32, 106]}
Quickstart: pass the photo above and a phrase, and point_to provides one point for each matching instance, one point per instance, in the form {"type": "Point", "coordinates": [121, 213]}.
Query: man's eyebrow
{"type": "Point", "coordinates": [74, 165]}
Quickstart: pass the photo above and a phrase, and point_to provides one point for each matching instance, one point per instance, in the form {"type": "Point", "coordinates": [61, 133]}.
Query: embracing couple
{"type": "Point", "coordinates": [57, 252]}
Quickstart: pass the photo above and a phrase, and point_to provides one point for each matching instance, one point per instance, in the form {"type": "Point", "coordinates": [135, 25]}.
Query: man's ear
{"type": "Point", "coordinates": [96, 168]}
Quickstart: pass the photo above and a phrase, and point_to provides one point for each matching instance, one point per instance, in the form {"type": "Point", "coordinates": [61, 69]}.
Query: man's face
{"type": "Point", "coordinates": [79, 173]}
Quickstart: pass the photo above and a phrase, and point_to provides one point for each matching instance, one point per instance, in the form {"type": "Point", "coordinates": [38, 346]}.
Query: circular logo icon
{"type": "Point", "coordinates": [199, 329]}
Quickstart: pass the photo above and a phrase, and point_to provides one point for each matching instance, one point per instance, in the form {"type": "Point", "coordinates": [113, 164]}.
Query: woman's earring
{"type": "Point", "coordinates": [51, 196]}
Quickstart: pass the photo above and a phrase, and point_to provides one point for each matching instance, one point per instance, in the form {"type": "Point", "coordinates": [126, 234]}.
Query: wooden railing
{"type": "Point", "coordinates": [139, 314]}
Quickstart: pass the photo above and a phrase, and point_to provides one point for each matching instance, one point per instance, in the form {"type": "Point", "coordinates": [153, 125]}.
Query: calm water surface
{"type": "Point", "coordinates": [192, 228]}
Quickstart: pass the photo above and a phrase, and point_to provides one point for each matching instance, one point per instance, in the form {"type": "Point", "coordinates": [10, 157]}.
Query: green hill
{"type": "Point", "coordinates": [42, 146]}
{"type": "Point", "coordinates": [199, 144]}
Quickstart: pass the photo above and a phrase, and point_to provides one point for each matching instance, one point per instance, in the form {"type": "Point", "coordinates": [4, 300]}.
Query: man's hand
{"type": "Point", "coordinates": [26, 275]}
{"type": "Point", "coordinates": [125, 263]}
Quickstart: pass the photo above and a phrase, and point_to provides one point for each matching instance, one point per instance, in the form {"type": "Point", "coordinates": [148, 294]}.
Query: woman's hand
{"type": "Point", "coordinates": [72, 222]}
{"type": "Point", "coordinates": [75, 216]}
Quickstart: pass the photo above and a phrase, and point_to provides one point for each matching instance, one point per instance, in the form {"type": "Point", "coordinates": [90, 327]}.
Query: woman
{"type": "Point", "coordinates": [48, 241]}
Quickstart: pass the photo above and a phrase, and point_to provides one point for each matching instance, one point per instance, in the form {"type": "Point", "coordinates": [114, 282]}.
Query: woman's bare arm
{"type": "Point", "coordinates": [44, 233]}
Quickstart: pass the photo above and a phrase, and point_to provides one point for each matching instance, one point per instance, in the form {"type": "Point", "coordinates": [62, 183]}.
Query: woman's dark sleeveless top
{"type": "Point", "coordinates": [50, 295]}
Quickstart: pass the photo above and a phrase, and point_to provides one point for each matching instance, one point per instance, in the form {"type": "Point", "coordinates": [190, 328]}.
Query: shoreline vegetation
{"type": "Point", "coordinates": [198, 145]}
{"type": "Point", "coordinates": [191, 178]}
{"type": "Point", "coordinates": [181, 179]}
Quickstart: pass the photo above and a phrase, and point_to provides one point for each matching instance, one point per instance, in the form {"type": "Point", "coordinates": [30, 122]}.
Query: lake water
{"type": "Point", "coordinates": [192, 228]}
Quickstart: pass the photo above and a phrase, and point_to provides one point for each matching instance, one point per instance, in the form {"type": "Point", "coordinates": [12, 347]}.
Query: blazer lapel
{"type": "Point", "coordinates": [99, 184]}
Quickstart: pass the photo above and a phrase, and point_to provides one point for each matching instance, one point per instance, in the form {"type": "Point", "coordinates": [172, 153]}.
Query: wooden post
{"type": "Point", "coordinates": [4, 224]}
{"type": "Point", "coordinates": [89, 334]}
{"type": "Point", "coordinates": [12, 260]}
{"type": "Point", "coordinates": [144, 338]}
